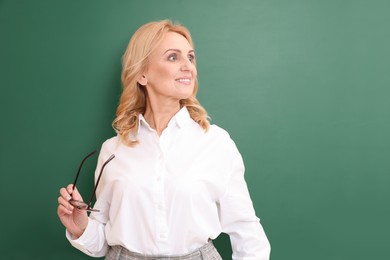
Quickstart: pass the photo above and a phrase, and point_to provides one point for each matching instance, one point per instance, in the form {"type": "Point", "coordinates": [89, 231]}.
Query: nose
{"type": "Point", "coordinates": [186, 65]}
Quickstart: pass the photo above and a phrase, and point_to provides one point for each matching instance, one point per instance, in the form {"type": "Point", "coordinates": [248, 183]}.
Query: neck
{"type": "Point", "coordinates": [158, 116]}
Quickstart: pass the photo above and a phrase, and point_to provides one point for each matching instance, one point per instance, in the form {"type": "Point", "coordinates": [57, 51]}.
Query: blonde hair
{"type": "Point", "coordinates": [134, 62]}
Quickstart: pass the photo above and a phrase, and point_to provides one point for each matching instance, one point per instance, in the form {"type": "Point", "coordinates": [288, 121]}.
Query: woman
{"type": "Point", "coordinates": [176, 181]}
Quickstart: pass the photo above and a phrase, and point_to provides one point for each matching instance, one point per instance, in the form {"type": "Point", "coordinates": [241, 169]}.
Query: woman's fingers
{"type": "Point", "coordinates": [65, 194]}
{"type": "Point", "coordinates": [64, 207]}
{"type": "Point", "coordinates": [63, 200]}
{"type": "Point", "coordinates": [75, 221]}
{"type": "Point", "coordinates": [65, 203]}
{"type": "Point", "coordinates": [63, 210]}
{"type": "Point", "coordinates": [74, 193]}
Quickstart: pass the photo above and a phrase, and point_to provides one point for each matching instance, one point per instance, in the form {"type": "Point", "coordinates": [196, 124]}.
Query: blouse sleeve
{"type": "Point", "coordinates": [93, 241]}
{"type": "Point", "coordinates": [238, 218]}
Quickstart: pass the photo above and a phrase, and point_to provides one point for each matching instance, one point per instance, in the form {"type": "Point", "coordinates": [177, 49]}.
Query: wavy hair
{"type": "Point", "coordinates": [134, 62]}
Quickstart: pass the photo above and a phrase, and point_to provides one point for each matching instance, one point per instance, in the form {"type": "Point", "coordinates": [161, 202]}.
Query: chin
{"type": "Point", "coordinates": [187, 93]}
{"type": "Point", "coordinates": [185, 97]}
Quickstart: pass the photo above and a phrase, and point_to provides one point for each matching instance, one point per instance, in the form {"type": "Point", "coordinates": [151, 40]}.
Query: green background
{"type": "Point", "coordinates": [301, 86]}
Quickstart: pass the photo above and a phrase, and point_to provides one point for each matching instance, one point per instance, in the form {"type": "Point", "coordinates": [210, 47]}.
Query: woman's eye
{"type": "Point", "coordinates": [172, 57]}
{"type": "Point", "coordinates": [191, 58]}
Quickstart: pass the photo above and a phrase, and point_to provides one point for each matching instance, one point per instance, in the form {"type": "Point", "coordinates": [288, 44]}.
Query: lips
{"type": "Point", "coordinates": [184, 80]}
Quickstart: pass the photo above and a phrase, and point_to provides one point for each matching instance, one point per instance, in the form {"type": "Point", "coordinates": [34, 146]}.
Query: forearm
{"type": "Point", "coordinates": [93, 241]}
{"type": "Point", "coordinates": [249, 241]}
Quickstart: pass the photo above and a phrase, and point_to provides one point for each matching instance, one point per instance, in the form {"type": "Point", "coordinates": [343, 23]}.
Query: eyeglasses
{"type": "Point", "coordinates": [81, 204]}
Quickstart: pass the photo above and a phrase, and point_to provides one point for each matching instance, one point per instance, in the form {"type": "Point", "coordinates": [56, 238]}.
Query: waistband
{"type": "Point", "coordinates": [208, 251]}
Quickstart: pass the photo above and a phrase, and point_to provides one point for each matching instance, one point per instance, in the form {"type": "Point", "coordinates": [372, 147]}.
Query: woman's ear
{"type": "Point", "coordinates": [142, 80]}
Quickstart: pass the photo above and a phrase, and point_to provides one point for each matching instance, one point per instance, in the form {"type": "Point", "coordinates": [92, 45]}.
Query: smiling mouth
{"type": "Point", "coordinates": [184, 80]}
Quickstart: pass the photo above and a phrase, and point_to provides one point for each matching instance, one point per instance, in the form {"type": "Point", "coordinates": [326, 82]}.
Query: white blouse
{"type": "Point", "coordinates": [171, 194]}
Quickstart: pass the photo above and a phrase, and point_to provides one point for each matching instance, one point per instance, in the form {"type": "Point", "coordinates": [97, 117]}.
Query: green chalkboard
{"type": "Point", "coordinates": [303, 87]}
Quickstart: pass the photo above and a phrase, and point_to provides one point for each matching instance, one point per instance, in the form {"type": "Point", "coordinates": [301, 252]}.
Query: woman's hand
{"type": "Point", "coordinates": [73, 219]}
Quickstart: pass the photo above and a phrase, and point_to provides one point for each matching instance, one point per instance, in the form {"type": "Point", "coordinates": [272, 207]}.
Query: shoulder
{"type": "Point", "coordinates": [216, 130]}
{"type": "Point", "coordinates": [220, 139]}
{"type": "Point", "coordinates": [219, 134]}
{"type": "Point", "coordinates": [224, 140]}
{"type": "Point", "coordinates": [111, 144]}
{"type": "Point", "coordinates": [212, 131]}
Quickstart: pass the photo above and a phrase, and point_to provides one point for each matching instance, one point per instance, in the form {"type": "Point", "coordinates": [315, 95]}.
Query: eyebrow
{"type": "Point", "coordinates": [177, 50]}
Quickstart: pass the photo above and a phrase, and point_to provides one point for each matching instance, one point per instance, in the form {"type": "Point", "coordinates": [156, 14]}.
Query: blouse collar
{"type": "Point", "coordinates": [180, 119]}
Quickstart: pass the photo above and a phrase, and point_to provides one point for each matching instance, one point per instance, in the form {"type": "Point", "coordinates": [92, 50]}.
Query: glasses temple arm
{"type": "Point", "coordinates": [81, 165]}
{"type": "Point", "coordinates": [100, 175]}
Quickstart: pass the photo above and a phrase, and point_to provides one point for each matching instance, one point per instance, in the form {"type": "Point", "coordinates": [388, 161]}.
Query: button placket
{"type": "Point", "coordinates": [161, 215]}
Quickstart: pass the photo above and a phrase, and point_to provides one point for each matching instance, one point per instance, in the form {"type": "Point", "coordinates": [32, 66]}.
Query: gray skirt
{"type": "Point", "coordinates": [206, 252]}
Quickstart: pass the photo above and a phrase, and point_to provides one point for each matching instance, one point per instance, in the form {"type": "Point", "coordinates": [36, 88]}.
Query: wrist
{"type": "Point", "coordinates": [79, 229]}
{"type": "Point", "coordinates": [77, 234]}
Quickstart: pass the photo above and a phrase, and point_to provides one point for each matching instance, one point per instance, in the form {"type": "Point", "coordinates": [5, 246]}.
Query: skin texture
{"type": "Point", "coordinates": [73, 219]}
{"type": "Point", "coordinates": [170, 77]}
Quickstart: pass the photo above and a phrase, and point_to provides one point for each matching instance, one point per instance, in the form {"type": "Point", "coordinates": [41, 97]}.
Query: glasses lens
{"type": "Point", "coordinates": [79, 204]}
